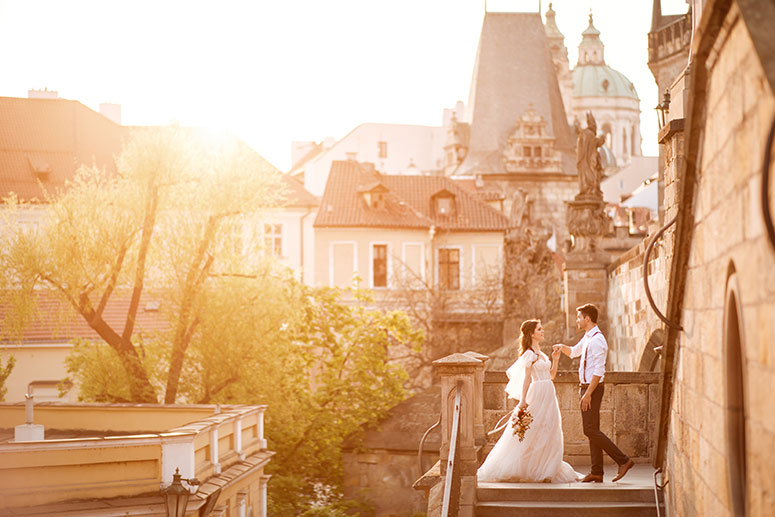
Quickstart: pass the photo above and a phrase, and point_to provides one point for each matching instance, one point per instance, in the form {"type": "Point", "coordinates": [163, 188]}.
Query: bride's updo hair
{"type": "Point", "coordinates": [526, 337]}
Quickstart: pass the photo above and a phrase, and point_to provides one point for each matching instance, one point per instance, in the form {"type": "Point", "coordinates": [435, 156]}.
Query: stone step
{"type": "Point", "coordinates": [560, 508]}
{"type": "Point", "coordinates": [576, 492]}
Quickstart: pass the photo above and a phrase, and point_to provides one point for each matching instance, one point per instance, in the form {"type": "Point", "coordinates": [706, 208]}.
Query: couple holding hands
{"type": "Point", "coordinates": [537, 456]}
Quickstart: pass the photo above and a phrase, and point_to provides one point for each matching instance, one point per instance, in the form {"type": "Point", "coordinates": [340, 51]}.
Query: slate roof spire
{"type": "Point", "coordinates": [513, 69]}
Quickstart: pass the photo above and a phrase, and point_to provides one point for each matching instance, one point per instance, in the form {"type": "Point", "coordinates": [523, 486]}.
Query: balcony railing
{"type": "Point", "coordinates": [102, 451]}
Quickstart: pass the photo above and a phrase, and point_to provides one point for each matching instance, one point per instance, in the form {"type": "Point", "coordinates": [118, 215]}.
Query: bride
{"type": "Point", "coordinates": [539, 456]}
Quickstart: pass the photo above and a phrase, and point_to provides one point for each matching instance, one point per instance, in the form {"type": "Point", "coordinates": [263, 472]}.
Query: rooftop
{"type": "Point", "coordinates": [408, 202]}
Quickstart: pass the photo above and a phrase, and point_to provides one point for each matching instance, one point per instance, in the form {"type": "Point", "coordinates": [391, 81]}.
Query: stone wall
{"type": "Point", "coordinates": [631, 321]}
{"type": "Point", "coordinates": [384, 477]}
{"type": "Point", "coordinates": [628, 414]}
{"type": "Point", "coordinates": [729, 254]}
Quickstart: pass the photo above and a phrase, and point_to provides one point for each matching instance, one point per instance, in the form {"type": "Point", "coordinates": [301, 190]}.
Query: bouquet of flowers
{"type": "Point", "coordinates": [520, 421]}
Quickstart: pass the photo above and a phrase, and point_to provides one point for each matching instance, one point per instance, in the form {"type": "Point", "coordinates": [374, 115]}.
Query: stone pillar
{"type": "Point", "coordinates": [585, 281]}
{"type": "Point", "coordinates": [469, 371]}
{"type": "Point", "coordinates": [480, 433]}
{"type": "Point", "coordinates": [585, 273]}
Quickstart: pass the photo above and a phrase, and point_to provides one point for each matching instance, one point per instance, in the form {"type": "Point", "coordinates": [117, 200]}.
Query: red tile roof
{"type": "Point", "coordinates": [54, 134]}
{"type": "Point", "coordinates": [407, 204]}
{"type": "Point", "coordinates": [55, 321]}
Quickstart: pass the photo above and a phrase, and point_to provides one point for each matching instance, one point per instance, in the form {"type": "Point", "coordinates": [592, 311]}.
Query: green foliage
{"type": "Point", "coordinates": [320, 364]}
{"type": "Point", "coordinates": [164, 222]}
{"type": "Point", "coordinates": [97, 370]}
{"type": "Point", "coordinates": [5, 372]}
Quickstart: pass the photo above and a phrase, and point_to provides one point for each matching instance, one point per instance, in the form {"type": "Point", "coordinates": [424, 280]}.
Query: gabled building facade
{"type": "Point", "coordinates": [395, 231]}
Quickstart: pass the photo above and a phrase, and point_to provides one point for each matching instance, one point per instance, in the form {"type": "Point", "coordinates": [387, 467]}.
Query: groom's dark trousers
{"type": "Point", "coordinates": [598, 442]}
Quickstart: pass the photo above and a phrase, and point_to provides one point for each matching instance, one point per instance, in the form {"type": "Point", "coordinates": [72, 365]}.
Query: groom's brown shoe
{"type": "Point", "coordinates": [623, 468]}
{"type": "Point", "coordinates": [589, 478]}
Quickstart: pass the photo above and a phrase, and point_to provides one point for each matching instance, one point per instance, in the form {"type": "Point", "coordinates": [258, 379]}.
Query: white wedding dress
{"type": "Point", "coordinates": [538, 457]}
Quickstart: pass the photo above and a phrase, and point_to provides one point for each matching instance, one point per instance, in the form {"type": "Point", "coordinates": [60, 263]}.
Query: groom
{"type": "Point", "coordinates": [593, 349]}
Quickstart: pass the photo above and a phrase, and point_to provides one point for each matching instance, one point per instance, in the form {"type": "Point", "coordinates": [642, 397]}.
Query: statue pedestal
{"type": "Point", "coordinates": [586, 222]}
{"type": "Point", "coordinates": [585, 274]}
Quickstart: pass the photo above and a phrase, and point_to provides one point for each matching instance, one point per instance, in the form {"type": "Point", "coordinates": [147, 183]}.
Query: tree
{"type": "Point", "coordinates": [451, 320]}
{"type": "Point", "coordinates": [321, 366]}
{"type": "Point", "coordinates": [5, 372]}
{"type": "Point", "coordinates": [162, 221]}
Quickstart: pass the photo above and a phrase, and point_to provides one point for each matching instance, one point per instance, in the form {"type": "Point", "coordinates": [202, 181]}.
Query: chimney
{"type": "Point", "coordinates": [45, 93]}
{"type": "Point", "coordinates": [299, 150]}
{"type": "Point", "coordinates": [28, 432]}
{"type": "Point", "coordinates": [111, 111]}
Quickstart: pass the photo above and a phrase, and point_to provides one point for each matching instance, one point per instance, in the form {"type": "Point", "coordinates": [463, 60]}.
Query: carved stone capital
{"type": "Point", "coordinates": [586, 222]}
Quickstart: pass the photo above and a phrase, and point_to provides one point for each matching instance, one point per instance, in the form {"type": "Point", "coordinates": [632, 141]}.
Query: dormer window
{"type": "Point", "coordinates": [443, 203]}
{"type": "Point", "coordinates": [444, 206]}
{"type": "Point", "coordinates": [378, 200]}
{"type": "Point", "coordinates": [374, 195]}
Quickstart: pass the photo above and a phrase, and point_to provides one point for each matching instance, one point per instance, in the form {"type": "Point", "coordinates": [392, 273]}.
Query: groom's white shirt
{"type": "Point", "coordinates": [598, 349]}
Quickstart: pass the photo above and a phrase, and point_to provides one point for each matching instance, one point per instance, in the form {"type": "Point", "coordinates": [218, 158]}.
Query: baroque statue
{"type": "Point", "coordinates": [588, 159]}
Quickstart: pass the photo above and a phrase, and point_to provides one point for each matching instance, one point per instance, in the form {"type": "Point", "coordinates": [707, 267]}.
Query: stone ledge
{"type": "Point", "coordinates": [571, 377]}
{"type": "Point", "coordinates": [672, 127]}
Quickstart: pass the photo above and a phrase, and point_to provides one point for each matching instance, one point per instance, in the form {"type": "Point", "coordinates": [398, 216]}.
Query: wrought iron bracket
{"type": "Point", "coordinates": [766, 163]}
{"type": "Point", "coordinates": [646, 275]}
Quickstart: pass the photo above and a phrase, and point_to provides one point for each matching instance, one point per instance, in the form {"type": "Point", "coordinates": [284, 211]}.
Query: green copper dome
{"type": "Point", "coordinates": [601, 81]}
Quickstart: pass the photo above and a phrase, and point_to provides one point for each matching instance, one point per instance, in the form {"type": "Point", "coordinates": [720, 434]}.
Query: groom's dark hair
{"type": "Point", "coordinates": [590, 310]}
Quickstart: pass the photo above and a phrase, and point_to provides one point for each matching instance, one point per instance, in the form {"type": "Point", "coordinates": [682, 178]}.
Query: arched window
{"type": "Point", "coordinates": [735, 394]}
{"type": "Point", "coordinates": [624, 142]}
{"type": "Point", "coordinates": [606, 129]}
{"type": "Point", "coordinates": [634, 144]}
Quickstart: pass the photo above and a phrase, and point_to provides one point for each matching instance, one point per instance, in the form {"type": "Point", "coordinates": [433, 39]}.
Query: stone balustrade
{"type": "Point", "coordinates": [628, 414]}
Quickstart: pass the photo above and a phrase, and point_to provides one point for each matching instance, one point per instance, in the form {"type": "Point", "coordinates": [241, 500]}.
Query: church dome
{"type": "Point", "coordinates": [600, 80]}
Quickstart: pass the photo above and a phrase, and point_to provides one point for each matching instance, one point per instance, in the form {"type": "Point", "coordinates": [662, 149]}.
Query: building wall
{"type": "Point", "coordinates": [36, 362]}
{"type": "Point", "coordinates": [409, 150]}
{"type": "Point", "coordinates": [728, 236]}
{"type": "Point", "coordinates": [337, 249]}
{"type": "Point", "coordinates": [296, 227]}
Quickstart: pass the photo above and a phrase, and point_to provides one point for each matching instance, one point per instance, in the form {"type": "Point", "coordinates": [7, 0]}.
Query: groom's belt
{"type": "Point", "coordinates": [582, 385]}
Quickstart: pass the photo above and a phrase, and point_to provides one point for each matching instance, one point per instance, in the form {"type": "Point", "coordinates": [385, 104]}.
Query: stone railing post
{"type": "Point", "coordinates": [480, 433]}
{"type": "Point", "coordinates": [469, 370]}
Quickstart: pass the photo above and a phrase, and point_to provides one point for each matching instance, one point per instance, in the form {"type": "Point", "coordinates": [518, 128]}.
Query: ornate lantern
{"type": "Point", "coordinates": [176, 495]}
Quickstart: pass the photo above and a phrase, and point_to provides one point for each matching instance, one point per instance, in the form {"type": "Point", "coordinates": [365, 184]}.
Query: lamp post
{"type": "Point", "coordinates": [663, 108]}
{"type": "Point", "coordinates": [176, 495]}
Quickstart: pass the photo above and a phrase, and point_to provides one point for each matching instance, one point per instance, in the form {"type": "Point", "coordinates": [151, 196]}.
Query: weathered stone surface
{"type": "Point", "coordinates": [494, 396]}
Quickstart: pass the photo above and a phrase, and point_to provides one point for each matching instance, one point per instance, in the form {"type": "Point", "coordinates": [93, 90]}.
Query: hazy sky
{"type": "Point", "coordinates": [273, 71]}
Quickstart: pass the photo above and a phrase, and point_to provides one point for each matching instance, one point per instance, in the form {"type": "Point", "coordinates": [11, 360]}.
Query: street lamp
{"type": "Point", "coordinates": [176, 495]}
{"type": "Point", "coordinates": [663, 108]}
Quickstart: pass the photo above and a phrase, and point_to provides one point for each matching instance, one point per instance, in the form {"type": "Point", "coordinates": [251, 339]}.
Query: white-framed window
{"type": "Point", "coordinates": [379, 260]}
{"type": "Point", "coordinates": [448, 267]}
{"type": "Point", "coordinates": [342, 263]}
{"type": "Point", "coordinates": [273, 239]}
{"type": "Point", "coordinates": [382, 149]}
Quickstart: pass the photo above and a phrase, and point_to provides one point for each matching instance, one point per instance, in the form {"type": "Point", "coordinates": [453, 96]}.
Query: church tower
{"type": "Point", "coordinates": [559, 57]}
{"type": "Point", "coordinates": [594, 86]}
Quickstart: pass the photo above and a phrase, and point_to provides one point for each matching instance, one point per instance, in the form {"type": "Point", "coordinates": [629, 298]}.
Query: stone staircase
{"type": "Point", "coordinates": [631, 497]}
